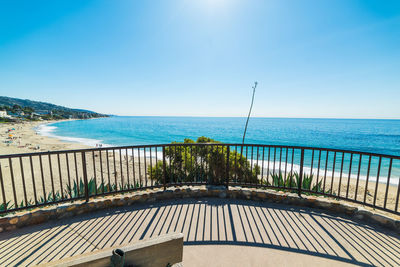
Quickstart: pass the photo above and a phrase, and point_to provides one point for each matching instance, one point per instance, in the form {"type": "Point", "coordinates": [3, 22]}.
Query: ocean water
{"type": "Point", "coordinates": [377, 136]}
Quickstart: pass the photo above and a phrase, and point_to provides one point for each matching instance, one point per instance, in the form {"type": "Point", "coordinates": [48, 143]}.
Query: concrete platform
{"type": "Point", "coordinates": [217, 232]}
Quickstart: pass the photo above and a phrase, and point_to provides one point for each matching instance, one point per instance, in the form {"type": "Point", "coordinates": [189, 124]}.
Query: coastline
{"type": "Point", "coordinates": [25, 139]}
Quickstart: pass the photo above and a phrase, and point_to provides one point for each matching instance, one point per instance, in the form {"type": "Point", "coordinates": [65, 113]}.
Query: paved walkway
{"type": "Point", "coordinates": [218, 232]}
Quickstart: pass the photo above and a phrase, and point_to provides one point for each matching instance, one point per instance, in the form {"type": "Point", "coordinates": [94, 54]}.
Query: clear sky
{"type": "Point", "coordinates": [312, 58]}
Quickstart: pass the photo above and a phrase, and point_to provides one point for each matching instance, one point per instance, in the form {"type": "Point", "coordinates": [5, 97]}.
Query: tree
{"type": "Point", "coordinates": [203, 163]}
{"type": "Point", "coordinates": [16, 107]}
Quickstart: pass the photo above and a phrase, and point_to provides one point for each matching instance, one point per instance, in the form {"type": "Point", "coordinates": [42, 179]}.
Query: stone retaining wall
{"type": "Point", "coordinates": [40, 215]}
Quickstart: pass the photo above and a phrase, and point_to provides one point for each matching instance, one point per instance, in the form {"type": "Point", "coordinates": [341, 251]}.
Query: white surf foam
{"type": "Point", "coordinates": [48, 130]}
{"type": "Point", "coordinates": [321, 172]}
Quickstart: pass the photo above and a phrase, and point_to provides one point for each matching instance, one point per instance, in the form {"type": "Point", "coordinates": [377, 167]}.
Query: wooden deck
{"type": "Point", "coordinates": [235, 232]}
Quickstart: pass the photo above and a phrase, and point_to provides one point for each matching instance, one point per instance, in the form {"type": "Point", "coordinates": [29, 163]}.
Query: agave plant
{"type": "Point", "coordinates": [292, 180]}
{"type": "Point", "coordinates": [6, 206]}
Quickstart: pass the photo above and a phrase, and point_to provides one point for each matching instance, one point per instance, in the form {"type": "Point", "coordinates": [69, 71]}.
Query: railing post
{"type": "Point", "coordinates": [301, 171]}
{"type": "Point", "coordinates": [85, 181]}
{"type": "Point", "coordinates": [164, 169]}
{"type": "Point", "coordinates": [227, 166]}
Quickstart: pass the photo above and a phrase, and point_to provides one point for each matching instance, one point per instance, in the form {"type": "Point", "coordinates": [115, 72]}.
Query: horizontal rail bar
{"type": "Point", "coordinates": [202, 144]}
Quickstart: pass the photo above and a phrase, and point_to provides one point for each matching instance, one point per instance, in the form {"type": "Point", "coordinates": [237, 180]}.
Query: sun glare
{"type": "Point", "coordinates": [212, 7]}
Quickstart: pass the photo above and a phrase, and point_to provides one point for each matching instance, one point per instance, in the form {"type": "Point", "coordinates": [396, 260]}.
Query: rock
{"type": "Point", "coordinates": [11, 227]}
{"type": "Point", "coordinates": [397, 226]}
{"type": "Point", "coordinates": [381, 219]}
{"type": "Point", "coordinates": [261, 195]}
{"type": "Point", "coordinates": [60, 210]}
{"type": "Point", "coordinates": [222, 194]}
{"type": "Point", "coordinates": [4, 221]}
{"type": "Point", "coordinates": [25, 217]}
{"type": "Point", "coordinates": [348, 209]}
{"type": "Point", "coordinates": [135, 197]}
{"type": "Point", "coordinates": [215, 192]}
{"type": "Point", "coordinates": [100, 204]}
{"type": "Point", "coordinates": [309, 201]}
{"type": "Point", "coordinates": [118, 202]}
{"type": "Point", "coordinates": [65, 215]}
{"type": "Point", "coordinates": [363, 213]}
{"type": "Point", "coordinates": [151, 199]}
{"type": "Point", "coordinates": [38, 217]}
{"type": "Point", "coordinates": [324, 204]}
{"type": "Point", "coordinates": [107, 203]}
{"type": "Point", "coordinates": [13, 220]}
{"type": "Point", "coordinates": [71, 208]}
{"type": "Point", "coordinates": [359, 216]}
{"type": "Point", "coordinates": [246, 193]}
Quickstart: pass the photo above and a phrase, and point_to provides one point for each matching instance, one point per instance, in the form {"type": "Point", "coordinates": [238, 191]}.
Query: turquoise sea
{"type": "Point", "coordinates": [366, 135]}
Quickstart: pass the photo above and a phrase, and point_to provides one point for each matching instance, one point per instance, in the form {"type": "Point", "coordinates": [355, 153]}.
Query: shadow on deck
{"type": "Point", "coordinates": [207, 221]}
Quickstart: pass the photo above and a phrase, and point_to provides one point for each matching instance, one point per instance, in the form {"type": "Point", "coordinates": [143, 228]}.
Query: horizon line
{"type": "Point", "coordinates": [259, 117]}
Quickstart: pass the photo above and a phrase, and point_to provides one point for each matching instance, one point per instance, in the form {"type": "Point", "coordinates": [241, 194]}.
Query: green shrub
{"type": "Point", "coordinates": [203, 164]}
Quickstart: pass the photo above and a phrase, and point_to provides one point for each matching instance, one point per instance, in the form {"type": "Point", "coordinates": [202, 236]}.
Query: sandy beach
{"type": "Point", "coordinates": [26, 140]}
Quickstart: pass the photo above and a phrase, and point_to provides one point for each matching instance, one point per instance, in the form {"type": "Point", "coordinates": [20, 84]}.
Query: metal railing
{"type": "Point", "coordinates": [37, 179]}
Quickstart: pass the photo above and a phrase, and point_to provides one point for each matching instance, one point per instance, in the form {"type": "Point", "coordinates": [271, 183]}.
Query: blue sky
{"type": "Point", "coordinates": [311, 58]}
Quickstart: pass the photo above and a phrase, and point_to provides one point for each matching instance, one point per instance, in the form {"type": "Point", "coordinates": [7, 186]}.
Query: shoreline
{"type": "Point", "coordinates": [25, 139]}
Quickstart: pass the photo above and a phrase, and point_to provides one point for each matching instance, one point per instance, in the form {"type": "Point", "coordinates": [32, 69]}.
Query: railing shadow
{"type": "Point", "coordinates": [206, 221]}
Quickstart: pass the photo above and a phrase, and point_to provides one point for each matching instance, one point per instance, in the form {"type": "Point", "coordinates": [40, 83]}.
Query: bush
{"type": "Point", "coordinates": [206, 163]}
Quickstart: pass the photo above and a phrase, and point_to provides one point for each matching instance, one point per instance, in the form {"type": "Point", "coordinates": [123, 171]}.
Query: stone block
{"type": "Point", "coordinates": [71, 207]}
{"type": "Point", "coordinates": [222, 194]}
{"type": "Point", "coordinates": [4, 221]}
{"type": "Point", "coordinates": [363, 213]}
{"type": "Point", "coordinates": [24, 218]}
{"type": "Point", "coordinates": [65, 215]}
{"type": "Point", "coordinates": [38, 217]}
{"type": "Point", "coordinates": [397, 226]}
{"type": "Point", "coordinates": [151, 199]}
{"type": "Point", "coordinates": [10, 227]}
{"type": "Point", "coordinates": [383, 220]}
{"type": "Point", "coordinates": [348, 209]}
{"type": "Point", "coordinates": [261, 195]}
{"type": "Point", "coordinates": [324, 204]}
{"type": "Point", "coordinates": [246, 194]}
{"type": "Point", "coordinates": [14, 220]}
{"type": "Point", "coordinates": [135, 198]}
{"type": "Point", "coordinates": [119, 202]}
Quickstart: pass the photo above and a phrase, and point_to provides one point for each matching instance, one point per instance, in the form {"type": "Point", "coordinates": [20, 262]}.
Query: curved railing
{"type": "Point", "coordinates": [37, 179]}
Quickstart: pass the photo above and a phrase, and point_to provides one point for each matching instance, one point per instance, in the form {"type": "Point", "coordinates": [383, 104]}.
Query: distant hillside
{"type": "Point", "coordinates": [28, 109]}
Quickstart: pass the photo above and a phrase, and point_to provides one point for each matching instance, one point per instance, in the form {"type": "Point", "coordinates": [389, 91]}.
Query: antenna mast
{"type": "Point", "coordinates": [251, 107]}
